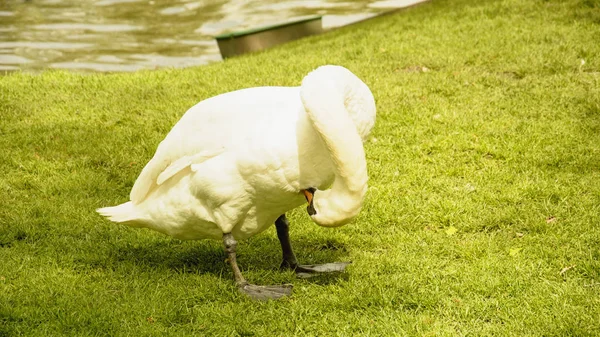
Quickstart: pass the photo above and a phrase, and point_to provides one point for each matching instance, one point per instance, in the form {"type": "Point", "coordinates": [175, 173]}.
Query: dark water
{"type": "Point", "coordinates": [127, 35]}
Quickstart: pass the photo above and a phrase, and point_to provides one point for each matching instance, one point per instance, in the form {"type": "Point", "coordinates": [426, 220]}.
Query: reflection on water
{"type": "Point", "coordinates": [127, 35]}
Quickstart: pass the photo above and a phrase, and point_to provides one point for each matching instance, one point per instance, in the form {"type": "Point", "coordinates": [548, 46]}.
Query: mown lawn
{"type": "Point", "coordinates": [482, 218]}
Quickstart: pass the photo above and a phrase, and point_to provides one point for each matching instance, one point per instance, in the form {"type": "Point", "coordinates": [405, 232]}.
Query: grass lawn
{"type": "Point", "coordinates": [482, 217]}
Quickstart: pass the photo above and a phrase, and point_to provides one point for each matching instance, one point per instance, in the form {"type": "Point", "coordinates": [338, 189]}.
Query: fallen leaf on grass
{"type": "Point", "coordinates": [415, 69]}
{"type": "Point", "coordinates": [566, 269]}
{"type": "Point", "coordinates": [451, 230]}
{"type": "Point", "coordinates": [514, 251]}
{"type": "Point", "coordinates": [470, 188]}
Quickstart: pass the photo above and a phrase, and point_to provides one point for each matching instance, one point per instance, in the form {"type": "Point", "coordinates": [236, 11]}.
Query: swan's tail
{"type": "Point", "coordinates": [124, 213]}
{"type": "Point", "coordinates": [341, 109]}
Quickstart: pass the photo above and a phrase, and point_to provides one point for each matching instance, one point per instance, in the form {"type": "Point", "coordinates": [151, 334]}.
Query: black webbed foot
{"type": "Point", "coordinates": [306, 271]}
{"type": "Point", "coordinates": [265, 293]}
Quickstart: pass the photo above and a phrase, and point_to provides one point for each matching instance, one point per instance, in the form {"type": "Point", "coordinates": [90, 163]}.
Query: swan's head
{"type": "Point", "coordinates": [327, 209]}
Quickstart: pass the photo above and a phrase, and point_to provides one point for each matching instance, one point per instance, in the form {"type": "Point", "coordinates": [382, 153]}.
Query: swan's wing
{"type": "Point", "coordinates": [209, 129]}
{"type": "Point", "coordinates": [157, 171]}
{"type": "Point", "coordinates": [184, 162]}
{"type": "Point", "coordinates": [147, 180]}
{"type": "Point", "coordinates": [191, 141]}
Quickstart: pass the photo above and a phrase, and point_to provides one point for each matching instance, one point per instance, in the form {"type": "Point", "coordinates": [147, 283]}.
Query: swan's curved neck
{"type": "Point", "coordinates": [341, 109]}
{"type": "Point", "coordinates": [360, 106]}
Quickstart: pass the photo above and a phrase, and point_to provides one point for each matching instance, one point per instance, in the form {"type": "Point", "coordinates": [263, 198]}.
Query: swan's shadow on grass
{"type": "Point", "coordinates": [261, 254]}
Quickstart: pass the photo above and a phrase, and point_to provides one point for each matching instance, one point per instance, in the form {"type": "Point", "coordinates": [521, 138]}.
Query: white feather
{"type": "Point", "coordinates": [184, 162]}
{"type": "Point", "coordinates": [123, 213]}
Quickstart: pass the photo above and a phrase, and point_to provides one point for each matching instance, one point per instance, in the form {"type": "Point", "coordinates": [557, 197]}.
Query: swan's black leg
{"type": "Point", "coordinates": [283, 233]}
{"type": "Point", "coordinates": [289, 259]}
{"type": "Point", "coordinates": [253, 291]}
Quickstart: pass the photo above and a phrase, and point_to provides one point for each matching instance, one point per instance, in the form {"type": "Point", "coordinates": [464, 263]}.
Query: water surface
{"type": "Point", "coordinates": [128, 35]}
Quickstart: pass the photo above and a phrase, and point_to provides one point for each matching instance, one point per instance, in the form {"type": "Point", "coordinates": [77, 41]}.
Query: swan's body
{"type": "Point", "coordinates": [251, 173]}
{"type": "Point", "coordinates": [236, 162]}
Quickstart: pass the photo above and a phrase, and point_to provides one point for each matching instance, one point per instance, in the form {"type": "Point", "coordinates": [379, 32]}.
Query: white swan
{"type": "Point", "coordinates": [236, 162]}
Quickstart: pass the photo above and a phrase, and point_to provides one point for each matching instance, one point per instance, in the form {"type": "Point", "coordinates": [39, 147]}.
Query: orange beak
{"type": "Point", "coordinates": [308, 196]}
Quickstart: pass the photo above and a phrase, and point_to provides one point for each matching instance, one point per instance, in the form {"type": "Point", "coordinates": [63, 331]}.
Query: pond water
{"type": "Point", "coordinates": [128, 35]}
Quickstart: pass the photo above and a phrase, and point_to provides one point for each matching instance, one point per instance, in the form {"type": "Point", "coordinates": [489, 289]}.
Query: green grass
{"type": "Point", "coordinates": [484, 185]}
